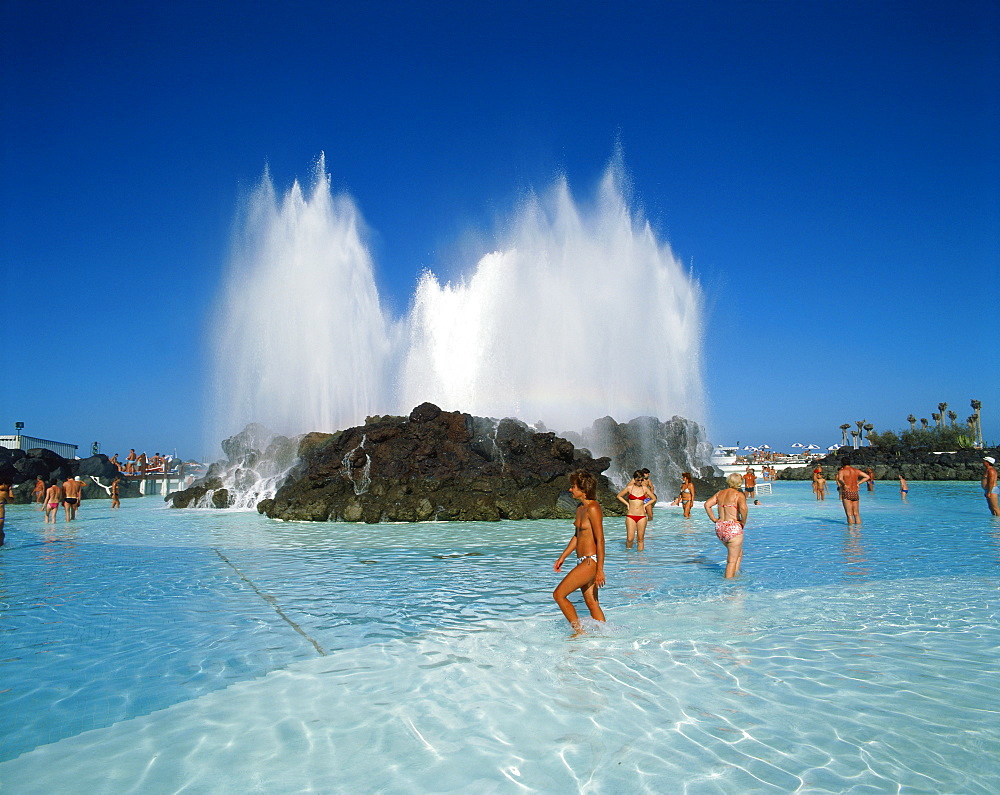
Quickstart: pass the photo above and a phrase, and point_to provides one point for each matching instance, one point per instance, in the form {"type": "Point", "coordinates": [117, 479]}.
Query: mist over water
{"type": "Point", "coordinates": [579, 312]}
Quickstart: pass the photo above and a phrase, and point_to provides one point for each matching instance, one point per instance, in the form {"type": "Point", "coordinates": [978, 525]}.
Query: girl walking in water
{"type": "Point", "coordinates": [588, 542]}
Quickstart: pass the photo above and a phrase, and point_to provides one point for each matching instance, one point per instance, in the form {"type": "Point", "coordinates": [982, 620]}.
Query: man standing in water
{"type": "Point", "coordinates": [588, 541]}
{"type": "Point", "coordinates": [750, 483]}
{"type": "Point", "coordinates": [6, 495]}
{"type": "Point", "coordinates": [990, 487]}
{"type": "Point", "coordinates": [72, 489]}
{"type": "Point", "coordinates": [848, 480]}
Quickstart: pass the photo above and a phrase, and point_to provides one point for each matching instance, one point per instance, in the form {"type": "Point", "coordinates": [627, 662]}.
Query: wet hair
{"type": "Point", "coordinates": [645, 472]}
{"type": "Point", "coordinates": [845, 462]}
{"type": "Point", "coordinates": [686, 476]}
{"type": "Point", "coordinates": [584, 481]}
{"type": "Point", "coordinates": [735, 480]}
{"type": "Point", "coordinates": [638, 474]}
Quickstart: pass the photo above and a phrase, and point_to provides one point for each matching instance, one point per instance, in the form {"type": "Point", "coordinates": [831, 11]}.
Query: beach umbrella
{"type": "Point", "coordinates": [749, 447]}
{"type": "Point", "coordinates": [798, 444]}
{"type": "Point", "coordinates": [765, 447]}
{"type": "Point", "coordinates": [833, 447]}
{"type": "Point", "coordinates": [813, 447]}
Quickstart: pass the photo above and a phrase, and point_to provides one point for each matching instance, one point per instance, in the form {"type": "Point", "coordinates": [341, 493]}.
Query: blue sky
{"type": "Point", "coordinates": [828, 169]}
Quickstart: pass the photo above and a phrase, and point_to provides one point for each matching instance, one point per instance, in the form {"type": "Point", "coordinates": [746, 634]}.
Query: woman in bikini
{"type": "Point", "coordinates": [732, 519]}
{"type": "Point", "coordinates": [53, 497]}
{"type": "Point", "coordinates": [588, 541]}
{"type": "Point", "coordinates": [635, 520]}
{"type": "Point", "coordinates": [686, 497]}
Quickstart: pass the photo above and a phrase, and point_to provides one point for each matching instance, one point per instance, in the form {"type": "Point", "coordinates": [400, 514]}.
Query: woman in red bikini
{"type": "Point", "coordinates": [635, 520]}
{"type": "Point", "coordinates": [732, 518]}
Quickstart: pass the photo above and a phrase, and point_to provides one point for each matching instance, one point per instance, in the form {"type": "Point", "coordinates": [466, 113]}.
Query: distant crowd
{"type": "Point", "coordinates": [142, 465]}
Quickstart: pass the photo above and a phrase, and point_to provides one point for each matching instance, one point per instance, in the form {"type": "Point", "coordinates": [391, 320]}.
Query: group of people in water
{"type": "Point", "coordinates": [69, 494]}
{"type": "Point", "coordinates": [727, 509]}
{"type": "Point", "coordinates": [639, 497]}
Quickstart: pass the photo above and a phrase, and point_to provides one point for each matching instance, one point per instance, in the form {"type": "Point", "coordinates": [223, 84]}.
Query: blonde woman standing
{"type": "Point", "coordinates": [732, 504]}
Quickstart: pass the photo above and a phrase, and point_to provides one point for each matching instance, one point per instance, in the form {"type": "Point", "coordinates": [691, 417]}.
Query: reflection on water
{"type": "Point", "coordinates": [854, 556]}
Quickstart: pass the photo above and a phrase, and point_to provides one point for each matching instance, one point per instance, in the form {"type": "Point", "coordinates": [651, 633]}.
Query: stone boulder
{"type": "Point", "coordinates": [435, 465]}
{"type": "Point", "coordinates": [666, 449]}
{"type": "Point", "coordinates": [890, 464]}
{"type": "Point", "coordinates": [50, 466]}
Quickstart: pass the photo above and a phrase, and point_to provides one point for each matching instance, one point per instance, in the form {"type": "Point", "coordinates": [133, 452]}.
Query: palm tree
{"type": "Point", "coordinates": [936, 417]}
{"type": "Point", "coordinates": [854, 439]}
{"type": "Point", "coordinates": [868, 429]}
{"type": "Point", "coordinates": [952, 416]}
{"type": "Point", "coordinates": [843, 433]}
{"type": "Point", "coordinates": [913, 422]}
{"type": "Point", "coordinates": [942, 408]}
{"type": "Point", "coordinates": [923, 421]}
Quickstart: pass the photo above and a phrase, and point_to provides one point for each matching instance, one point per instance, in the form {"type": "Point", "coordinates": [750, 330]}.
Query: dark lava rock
{"type": "Point", "coordinates": [32, 468]}
{"type": "Point", "coordinates": [191, 495]}
{"type": "Point", "coordinates": [665, 448]}
{"type": "Point", "coordinates": [890, 464]}
{"type": "Point", "coordinates": [435, 465]}
{"type": "Point", "coordinates": [51, 458]}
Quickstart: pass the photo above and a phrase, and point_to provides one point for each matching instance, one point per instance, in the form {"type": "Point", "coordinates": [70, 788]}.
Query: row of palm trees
{"type": "Point", "coordinates": [974, 421]}
{"type": "Point", "coordinates": [857, 436]}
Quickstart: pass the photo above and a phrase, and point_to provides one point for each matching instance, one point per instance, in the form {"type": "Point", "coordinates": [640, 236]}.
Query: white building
{"type": "Point", "coordinates": [21, 442]}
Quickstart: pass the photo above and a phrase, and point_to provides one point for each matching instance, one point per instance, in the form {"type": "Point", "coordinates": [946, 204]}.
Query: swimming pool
{"type": "Point", "coordinates": [156, 650]}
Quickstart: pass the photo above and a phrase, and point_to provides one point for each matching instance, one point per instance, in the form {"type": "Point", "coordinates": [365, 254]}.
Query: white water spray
{"type": "Point", "coordinates": [581, 312]}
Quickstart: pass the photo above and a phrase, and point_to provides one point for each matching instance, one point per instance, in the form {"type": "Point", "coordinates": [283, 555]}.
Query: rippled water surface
{"type": "Point", "coordinates": [153, 650]}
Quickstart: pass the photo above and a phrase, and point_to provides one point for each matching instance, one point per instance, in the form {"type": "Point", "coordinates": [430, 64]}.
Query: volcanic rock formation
{"type": "Point", "coordinates": [432, 465]}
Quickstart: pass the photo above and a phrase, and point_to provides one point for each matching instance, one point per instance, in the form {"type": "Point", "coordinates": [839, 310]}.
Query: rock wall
{"type": "Point", "coordinates": [432, 465]}
{"type": "Point", "coordinates": [21, 467]}
{"type": "Point", "coordinates": [891, 464]}
{"type": "Point", "coordinates": [666, 449]}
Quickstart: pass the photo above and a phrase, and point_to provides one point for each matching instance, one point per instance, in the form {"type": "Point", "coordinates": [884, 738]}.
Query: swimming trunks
{"type": "Point", "coordinates": [635, 518]}
{"type": "Point", "coordinates": [850, 496]}
{"type": "Point", "coordinates": [70, 500]}
{"type": "Point", "coordinates": [905, 491]}
{"type": "Point", "coordinates": [994, 490]}
{"type": "Point", "coordinates": [727, 530]}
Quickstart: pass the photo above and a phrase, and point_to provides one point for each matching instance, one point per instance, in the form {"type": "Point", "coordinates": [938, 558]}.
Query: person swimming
{"type": "Point", "coordinates": [588, 543]}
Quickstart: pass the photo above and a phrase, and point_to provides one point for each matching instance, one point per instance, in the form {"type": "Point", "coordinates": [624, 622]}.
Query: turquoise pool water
{"type": "Point", "coordinates": [152, 650]}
